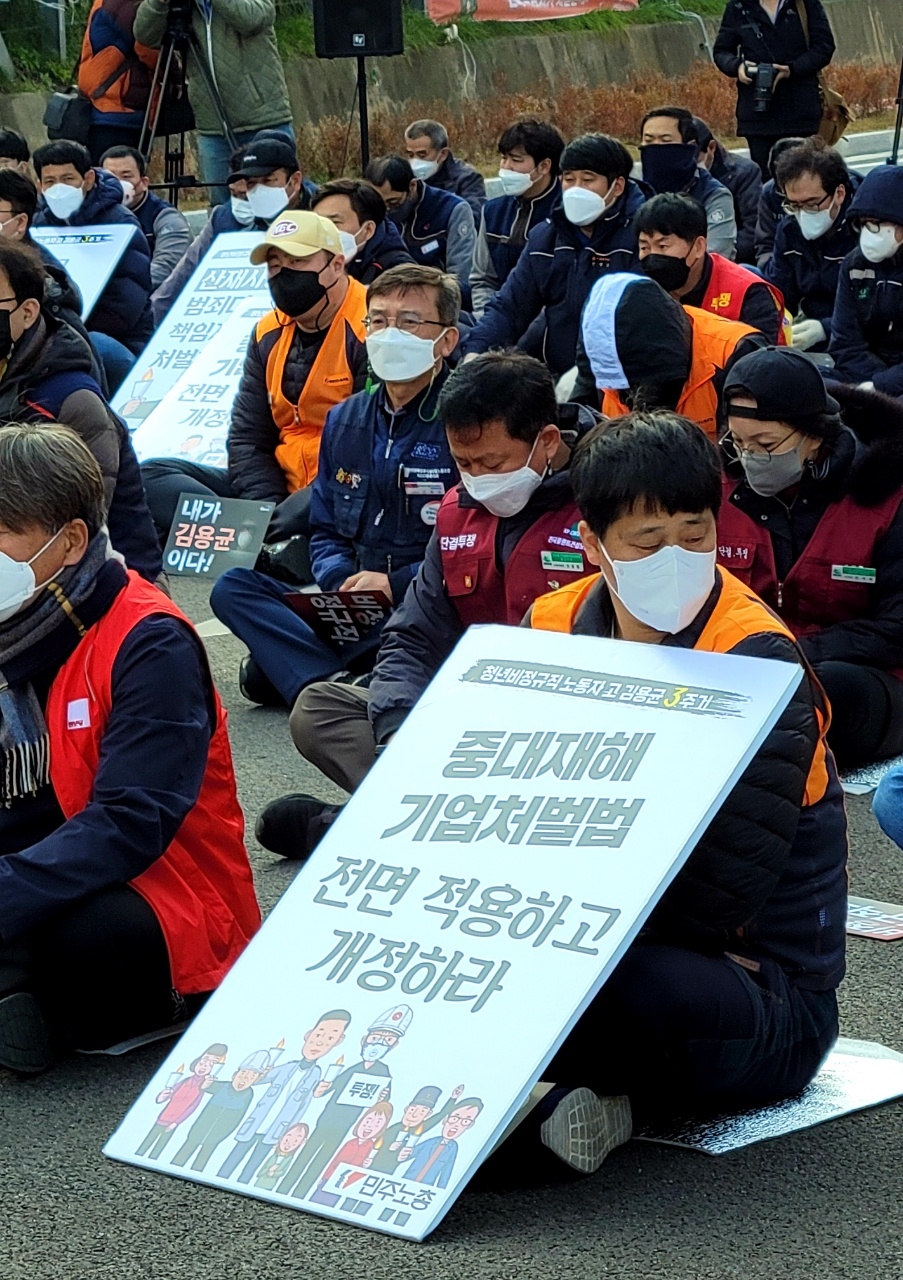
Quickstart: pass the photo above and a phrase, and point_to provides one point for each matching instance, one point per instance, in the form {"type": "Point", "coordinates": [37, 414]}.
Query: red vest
{"type": "Point", "coordinates": [728, 285]}
{"type": "Point", "coordinates": [201, 889]}
{"type": "Point", "coordinates": [810, 598]}
{"type": "Point", "coordinates": [547, 556]}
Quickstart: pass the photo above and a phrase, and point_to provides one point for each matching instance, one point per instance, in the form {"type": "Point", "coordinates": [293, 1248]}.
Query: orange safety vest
{"type": "Point", "coordinates": [329, 382]}
{"type": "Point", "coordinates": [728, 286]}
{"type": "Point", "coordinates": [200, 889]}
{"type": "Point", "coordinates": [714, 342]}
{"type": "Point", "coordinates": [738, 614]}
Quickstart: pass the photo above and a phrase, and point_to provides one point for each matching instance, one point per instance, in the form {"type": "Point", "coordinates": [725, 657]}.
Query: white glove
{"type": "Point", "coordinates": [807, 334]}
{"type": "Point", "coordinates": [866, 386]}
{"type": "Point", "coordinates": [564, 387]}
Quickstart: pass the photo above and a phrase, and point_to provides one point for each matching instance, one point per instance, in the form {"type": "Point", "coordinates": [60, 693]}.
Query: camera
{"type": "Point", "coordinates": [762, 75]}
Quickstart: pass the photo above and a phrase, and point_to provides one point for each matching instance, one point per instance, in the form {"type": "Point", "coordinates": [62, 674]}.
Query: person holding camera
{"type": "Point", "coordinates": [775, 50]}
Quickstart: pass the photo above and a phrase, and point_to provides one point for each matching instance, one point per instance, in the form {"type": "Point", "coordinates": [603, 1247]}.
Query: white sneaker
{"type": "Point", "coordinates": [584, 1128]}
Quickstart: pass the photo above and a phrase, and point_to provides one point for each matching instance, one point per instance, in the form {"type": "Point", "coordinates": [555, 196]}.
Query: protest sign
{"type": "Point", "coordinates": [192, 419]}
{"type": "Point", "coordinates": [225, 284]}
{"type": "Point", "coordinates": [869, 919]}
{"type": "Point", "coordinates": [442, 11]}
{"type": "Point", "coordinates": [89, 255]}
{"type": "Point", "coordinates": [341, 617]}
{"type": "Point", "coordinates": [398, 1005]}
{"type": "Point", "coordinates": [210, 535]}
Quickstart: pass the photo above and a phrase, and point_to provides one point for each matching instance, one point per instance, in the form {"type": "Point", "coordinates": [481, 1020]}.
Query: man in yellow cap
{"type": "Point", "coordinates": [305, 356]}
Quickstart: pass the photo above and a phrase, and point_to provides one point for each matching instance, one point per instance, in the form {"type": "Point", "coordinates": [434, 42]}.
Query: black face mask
{"type": "Point", "coordinates": [400, 213]}
{"type": "Point", "coordinates": [670, 166]}
{"type": "Point", "coordinates": [670, 273]}
{"type": "Point", "coordinates": [653, 395]}
{"type": "Point", "coordinates": [296, 292]}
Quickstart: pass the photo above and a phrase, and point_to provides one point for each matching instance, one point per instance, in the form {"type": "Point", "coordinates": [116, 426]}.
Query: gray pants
{"type": "Point", "coordinates": [330, 728]}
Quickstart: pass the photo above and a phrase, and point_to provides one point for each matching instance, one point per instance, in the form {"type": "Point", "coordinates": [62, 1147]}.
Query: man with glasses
{"type": "Point", "coordinates": [384, 468]}
{"type": "Point", "coordinates": [813, 237]}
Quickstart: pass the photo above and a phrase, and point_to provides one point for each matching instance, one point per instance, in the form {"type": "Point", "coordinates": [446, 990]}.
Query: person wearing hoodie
{"type": "Point", "coordinates": [812, 520]}
{"type": "Point", "coordinates": [682, 367]}
{"type": "Point", "coordinates": [671, 148]}
{"type": "Point", "coordinates": [78, 195]}
{"type": "Point", "coordinates": [813, 238]}
{"type": "Point", "coordinates": [867, 325]}
{"type": "Point", "coordinates": [589, 235]}
{"type": "Point", "coordinates": [504, 536]}
{"type": "Point", "coordinates": [372, 243]}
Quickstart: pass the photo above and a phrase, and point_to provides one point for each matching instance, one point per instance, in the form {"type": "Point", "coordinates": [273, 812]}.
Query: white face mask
{"type": "Point", "coordinates": [17, 580]}
{"type": "Point", "coordinates": [665, 590]}
{"type": "Point", "coordinates": [514, 183]}
{"type": "Point", "coordinates": [814, 225]}
{"type": "Point", "coordinates": [128, 193]}
{"type": "Point", "coordinates": [267, 202]}
{"type": "Point", "coordinates": [63, 201]}
{"type": "Point", "coordinates": [424, 169]}
{"type": "Point", "coordinates": [879, 245]}
{"type": "Point", "coordinates": [350, 246]}
{"type": "Point", "coordinates": [241, 210]}
{"type": "Point", "coordinates": [582, 206]}
{"type": "Point", "coordinates": [401, 357]}
{"type": "Point", "coordinates": [507, 493]}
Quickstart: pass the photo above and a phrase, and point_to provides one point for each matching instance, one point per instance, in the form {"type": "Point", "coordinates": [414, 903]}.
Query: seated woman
{"type": "Point", "coordinates": [125, 888]}
{"type": "Point", "coordinates": [813, 521]}
{"type": "Point", "coordinates": [727, 997]}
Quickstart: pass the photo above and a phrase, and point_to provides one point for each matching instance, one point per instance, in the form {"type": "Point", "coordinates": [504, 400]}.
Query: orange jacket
{"type": "Point", "coordinates": [108, 47]}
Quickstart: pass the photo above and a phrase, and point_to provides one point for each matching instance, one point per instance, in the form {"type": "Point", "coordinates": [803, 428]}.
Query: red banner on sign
{"type": "Point", "coordinates": [518, 10]}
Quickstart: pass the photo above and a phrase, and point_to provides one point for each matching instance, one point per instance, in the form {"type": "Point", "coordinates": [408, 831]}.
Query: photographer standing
{"type": "Point", "coordinates": [239, 46]}
{"type": "Point", "coordinates": [764, 45]}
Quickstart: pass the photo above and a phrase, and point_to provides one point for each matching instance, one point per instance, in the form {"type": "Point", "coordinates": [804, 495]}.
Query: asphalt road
{"type": "Point", "coordinates": [825, 1203]}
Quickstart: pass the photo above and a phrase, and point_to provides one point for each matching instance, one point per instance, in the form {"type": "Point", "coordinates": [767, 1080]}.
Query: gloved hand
{"type": "Point", "coordinates": [866, 386]}
{"type": "Point", "coordinates": [808, 334]}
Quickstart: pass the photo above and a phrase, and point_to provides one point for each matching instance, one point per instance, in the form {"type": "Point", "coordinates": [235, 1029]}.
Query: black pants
{"type": "Point", "coordinates": [100, 971]}
{"type": "Point", "coordinates": [866, 712]}
{"type": "Point", "coordinates": [103, 136]}
{"type": "Point", "coordinates": [760, 145]}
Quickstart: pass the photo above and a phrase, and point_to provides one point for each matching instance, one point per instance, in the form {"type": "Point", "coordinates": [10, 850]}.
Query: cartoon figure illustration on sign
{"type": "Point", "coordinates": [182, 1098]}
{"type": "Point", "coordinates": [352, 1092]}
{"type": "Point", "coordinates": [277, 1163]}
{"type": "Point", "coordinates": [366, 1138]}
{"type": "Point", "coordinates": [416, 1120]}
{"type": "Point", "coordinates": [223, 1112]}
{"type": "Point", "coordinates": [292, 1084]}
{"type": "Point", "coordinates": [433, 1159]}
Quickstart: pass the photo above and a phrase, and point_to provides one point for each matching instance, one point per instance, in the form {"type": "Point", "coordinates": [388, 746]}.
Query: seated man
{"type": "Point", "coordinates": [813, 521]}
{"type": "Point", "coordinates": [672, 242]}
{"type": "Point", "coordinates": [727, 998]}
{"type": "Point", "coordinates": [771, 204]}
{"type": "Point", "coordinates": [48, 373]}
{"type": "Point", "coordinates": [76, 195]}
{"type": "Point", "coordinates": [165, 229]}
{"type": "Point", "coordinates": [530, 177]}
{"type": "Point", "coordinates": [669, 150]}
{"type": "Point", "coordinates": [127, 892]}
{"type": "Point", "coordinates": [436, 226]}
{"type": "Point", "coordinates": [371, 243]}
{"type": "Point", "coordinates": [867, 324]}
{"type": "Point", "coordinates": [384, 467]}
{"type": "Point", "coordinates": [813, 237]}
{"type": "Point", "coordinates": [504, 536]}
{"type": "Point", "coordinates": [589, 235]}
{"type": "Point", "coordinates": [643, 350]}
{"type": "Point", "coordinates": [14, 152]}
{"type": "Point", "coordinates": [426, 147]}
{"type": "Point", "coordinates": [304, 356]}
{"type": "Point", "coordinates": [743, 179]}
{"type": "Point", "coordinates": [269, 167]}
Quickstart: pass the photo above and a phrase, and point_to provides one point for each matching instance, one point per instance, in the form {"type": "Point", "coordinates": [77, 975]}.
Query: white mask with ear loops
{"type": "Point", "coordinates": [667, 589]}
{"type": "Point", "coordinates": [17, 580]}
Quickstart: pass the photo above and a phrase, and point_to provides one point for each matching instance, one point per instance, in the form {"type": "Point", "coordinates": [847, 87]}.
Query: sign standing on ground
{"type": "Point", "coordinates": [384, 1027]}
{"type": "Point", "coordinates": [89, 254]}
{"type": "Point", "coordinates": [209, 535]}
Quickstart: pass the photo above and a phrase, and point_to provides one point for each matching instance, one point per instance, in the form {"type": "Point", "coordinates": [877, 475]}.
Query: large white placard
{"type": "Point", "coordinates": [223, 285]}
{"type": "Point", "coordinates": [378, 1035]}
{"type": "Point", "coordinates": [89, 254]}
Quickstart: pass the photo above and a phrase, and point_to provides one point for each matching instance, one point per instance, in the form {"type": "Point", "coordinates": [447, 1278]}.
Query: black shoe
{"type": "Point", "coordinates": [293, 826]}
{"type": "Point", "coordinates": [24, 1039]}
{"type": "Point", "coordinates": [256, 686]}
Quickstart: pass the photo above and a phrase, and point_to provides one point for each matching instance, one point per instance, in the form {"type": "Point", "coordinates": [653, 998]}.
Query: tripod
{"type": "Point", "coordinates": [894, 156]}
{"type": "Point", "coordinates": [363, 113]}
{"type": "Point", "coordinates": [169, 79]}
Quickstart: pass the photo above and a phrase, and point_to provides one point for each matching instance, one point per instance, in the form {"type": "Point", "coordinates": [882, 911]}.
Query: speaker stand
{"type": "Point", "coordinates": [362, 111]}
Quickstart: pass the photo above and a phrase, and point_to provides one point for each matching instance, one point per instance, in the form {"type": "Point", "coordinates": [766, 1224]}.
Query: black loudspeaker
{"type": "Point", "coordinates": [359, 29]}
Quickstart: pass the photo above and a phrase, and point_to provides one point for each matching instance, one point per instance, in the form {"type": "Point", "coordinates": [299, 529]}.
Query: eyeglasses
{"type": "Point", "coordinates": [407, 322]}
{"type": "Point", "coordinates": [735, 450]}
{"type": "Point", "coordinates": [806, 206]}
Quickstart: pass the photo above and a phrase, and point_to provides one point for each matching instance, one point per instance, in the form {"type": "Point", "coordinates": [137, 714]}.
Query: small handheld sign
{"type": "Point", "coordinates": [90, 255]}
{"type": "Point", "coordinates": [341, 617]}
{"type": "Point", "coordinates": [210, 535]}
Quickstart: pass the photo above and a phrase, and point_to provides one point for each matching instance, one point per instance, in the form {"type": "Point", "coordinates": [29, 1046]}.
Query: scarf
{"type": "Point", "coordinates": [24, 740]}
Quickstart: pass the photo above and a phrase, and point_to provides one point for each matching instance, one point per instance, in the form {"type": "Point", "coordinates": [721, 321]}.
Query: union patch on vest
{"type": "Point", "coordinates": [563, 561]}
{"type": "Point", "coordinates": [78, 714]}
{"type": "Point", "coordinates": [853, 573]}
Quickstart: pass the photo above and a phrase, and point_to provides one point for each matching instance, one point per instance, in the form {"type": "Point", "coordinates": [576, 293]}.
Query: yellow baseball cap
{"type": "Point", "coordinates": [300, 235]}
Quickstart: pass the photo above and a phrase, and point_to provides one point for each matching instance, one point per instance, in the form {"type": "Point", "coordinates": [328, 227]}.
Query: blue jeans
{"type": "Point", "coordinates": [116, 359]}
{"type": "Point", "coordinates": [253, 608]}
{"type": "Point", "coordinates": [888, 805]}
{"type": "Point", "coordinates": [214, 155]}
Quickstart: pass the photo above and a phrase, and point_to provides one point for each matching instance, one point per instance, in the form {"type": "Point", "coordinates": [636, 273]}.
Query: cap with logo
{"type": "Point", "coordinates": [397, 1020]}
{"type": "Point", "coordinates": [784, 383]}
{"type": "Point", "coordinates": [428, 1096]}
{"type": "Point", "coordinates": [263, 155]}
{"type": "Point", "coordinates": [300, 235]}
